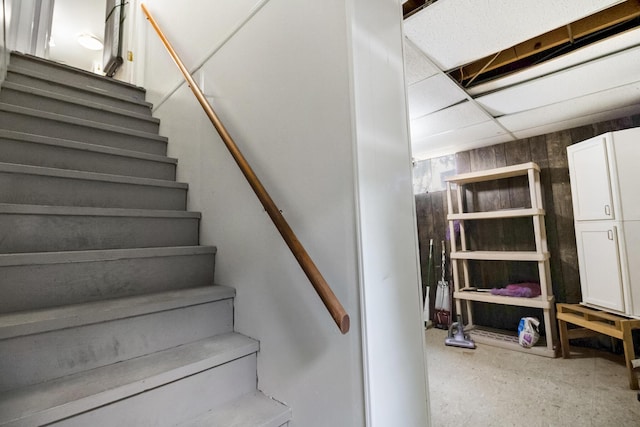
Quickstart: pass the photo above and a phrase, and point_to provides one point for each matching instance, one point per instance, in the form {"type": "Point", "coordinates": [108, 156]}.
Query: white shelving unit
{"type": "Point", "coordinates": [465, 291]}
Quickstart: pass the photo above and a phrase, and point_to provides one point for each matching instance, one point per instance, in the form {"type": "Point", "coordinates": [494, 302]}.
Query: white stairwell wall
{"type": "Point", "coordinates": [313, 94]}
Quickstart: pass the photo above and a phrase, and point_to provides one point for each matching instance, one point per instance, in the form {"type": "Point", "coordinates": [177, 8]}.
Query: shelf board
{"type": "Point", "coordinates": [505, 213]}
{"type": "Point", "coordinates": [501, 255]}
{"type": "Point", "coordinates": [491, 174]}
{"type": "Point", "coordinates": [509, 340]}
{"type": "Point", "coordinates": [535, 302]}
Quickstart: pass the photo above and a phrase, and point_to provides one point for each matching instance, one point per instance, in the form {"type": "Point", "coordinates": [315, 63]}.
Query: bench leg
{"type": "Point", "coordinates": [629, 354]}
{"type": "Point", "coordinates": [564, 339]}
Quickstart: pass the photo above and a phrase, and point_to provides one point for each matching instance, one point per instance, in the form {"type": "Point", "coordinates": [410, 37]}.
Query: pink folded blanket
{"type": "Point", "coordinates": [523, 290]}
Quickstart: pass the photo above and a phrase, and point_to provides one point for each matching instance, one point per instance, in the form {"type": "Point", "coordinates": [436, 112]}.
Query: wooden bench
{"type": "Point", "coordinates": [595, 322]}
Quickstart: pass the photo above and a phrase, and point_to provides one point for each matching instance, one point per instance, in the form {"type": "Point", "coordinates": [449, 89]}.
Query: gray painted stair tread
{"type": "Point", "coordinates": [38, 321]}
{"type": "Point", "coordinates": [15, 72]}
{"type": "Point", "coordinates": [250, 410]}
{"type": "Point", "coordinates": [4, 107]}
{"type": "Point", "coordinates": [69, 99]}
{"type": "Point", "coordinates": [8, 208]}
{"type": "Point", "coordinates": [42, 258]}
{"type": "Point", "coordinates": [46, 402]}
{"type": "Point", "coordinates": [27, 228]}
{"type": "Point", "coordinates": [53, 279]}
{"type": "Point", "coordinates": [17, 147]}
{"type": "Point", "coordinates": [76, 145]}
{"type": "Point", "coordinates": [92, 176]}
{"type": "Point", "coordinates": [78, 71]}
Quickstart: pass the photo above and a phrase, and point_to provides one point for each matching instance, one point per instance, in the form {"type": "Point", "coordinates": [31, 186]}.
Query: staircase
{"type": "Point", "coordinates": [108, 311]}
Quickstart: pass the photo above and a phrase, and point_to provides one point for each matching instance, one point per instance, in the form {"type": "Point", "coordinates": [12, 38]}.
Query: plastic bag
{"type": "Point", "coordinates": [528, 334]}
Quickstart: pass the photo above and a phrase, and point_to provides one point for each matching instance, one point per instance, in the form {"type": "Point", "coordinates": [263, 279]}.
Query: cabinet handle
{"type": "Point", "coordinates": [610, 234]}
{"type": "Point", "coordinates": [607, 210]}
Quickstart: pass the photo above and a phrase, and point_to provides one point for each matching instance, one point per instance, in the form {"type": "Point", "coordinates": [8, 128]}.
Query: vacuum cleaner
{"type": "Point", "coordinates": [457, 337]}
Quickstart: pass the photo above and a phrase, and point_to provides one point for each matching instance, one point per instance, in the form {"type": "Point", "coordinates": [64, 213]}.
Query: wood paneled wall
{"type": "Point", "coordinates": [549, 152]}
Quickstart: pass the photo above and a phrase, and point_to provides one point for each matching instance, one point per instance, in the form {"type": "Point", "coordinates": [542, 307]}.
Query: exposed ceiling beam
{"type": "Point", "coordinates": [409, 7]}
{"type": "Point", "coordinates": [566, 34]}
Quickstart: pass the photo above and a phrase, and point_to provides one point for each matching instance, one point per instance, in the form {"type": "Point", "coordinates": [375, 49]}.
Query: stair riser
{"type": "Point", "coordinates": [52, 156]}
{"type": "Point", "coordinates": [52, 285]}
{"type": "Point", "coordinates": [75, 78]}
{"type": "Point", "coordinates": [36, 358]}
{"type": "Point", "coordinates": [175, 402]}
{"type": "Point", "coordinates": [54, 87]}
{"type": "Point", "coordinates": [56, 129]}
{"type": "Point", "coordinates": [46, 233]}
{"type": "Point", "coordinates": [29, 100]}
{"type": "Point", "coordinates": [252, 409]}
{"type": "Point", "coordinates": [29, 189]}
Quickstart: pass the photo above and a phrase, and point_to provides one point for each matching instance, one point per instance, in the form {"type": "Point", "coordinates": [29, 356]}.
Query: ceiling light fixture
{"type": "Point", "coordinates": [90, 42]}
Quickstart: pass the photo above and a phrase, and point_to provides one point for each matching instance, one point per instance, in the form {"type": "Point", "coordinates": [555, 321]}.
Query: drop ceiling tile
{"type": "Point", "coordinates": [600, 116]}
{"type": "Point", "coordinates": [595, 76]}
{"type": "Point", "coordinates": [457, 32]}
{"type": "Point", "coordinates": [478, 135]}
{"type": "Point", "coordinates": [417, 67]}
{"type": "Point", "coordinates": [561, 114]}
{"type": "Point", "coordinates": [457, 116]}
{"type": "Point", "coordinates": [433, 94]}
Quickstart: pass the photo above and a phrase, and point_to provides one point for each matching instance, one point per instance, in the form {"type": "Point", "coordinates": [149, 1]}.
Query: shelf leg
{"type": "Point", "coordinates": [458, 307]}
{"type": "Point", "coordinates": [564, 339]}
{"type": "Point", "coordinates": [550, 327]}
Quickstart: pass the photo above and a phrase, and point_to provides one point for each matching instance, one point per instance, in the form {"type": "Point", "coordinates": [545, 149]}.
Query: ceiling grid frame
{"type": "Point", "coordinates": [471, 133]}
{"type": "Point", "coordinates": [463, 92]}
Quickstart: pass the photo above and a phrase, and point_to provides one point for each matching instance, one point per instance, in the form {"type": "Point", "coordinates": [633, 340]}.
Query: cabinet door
{"type": "Point", "coordinates": [590, 184]}
{"type": "Point", "coordinates": [598, 260]}
{"type": "Point", "coordinates": [630, 259]}
{"type": "Point", "coordinates": [626, 149]}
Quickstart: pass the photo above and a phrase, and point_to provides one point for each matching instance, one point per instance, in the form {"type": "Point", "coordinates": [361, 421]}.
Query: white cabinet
{"type": "Point", "coordinates": [590, 184]}
{"type": "Point", "coordinates": [605, 176]}
{"type": "Point", "coordinates": [598, 252]}
{"type": "Point", "coordinates": [626, 152]}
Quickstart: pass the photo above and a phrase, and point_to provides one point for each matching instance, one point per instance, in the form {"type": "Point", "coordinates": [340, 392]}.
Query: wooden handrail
{"type": "Point", "coordinates": [323, 289]}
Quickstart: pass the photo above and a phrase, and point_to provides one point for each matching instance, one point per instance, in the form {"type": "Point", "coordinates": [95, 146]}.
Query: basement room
{"type": "Point", "coordinates": [525, 125]}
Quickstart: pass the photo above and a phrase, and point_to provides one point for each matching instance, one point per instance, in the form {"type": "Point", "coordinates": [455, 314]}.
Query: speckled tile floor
{"type": "Point", "coordinates": [490, 386]}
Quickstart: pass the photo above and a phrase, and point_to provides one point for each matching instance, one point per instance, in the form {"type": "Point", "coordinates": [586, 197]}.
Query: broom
{"type": "Point", "coordinates": [443, 303]}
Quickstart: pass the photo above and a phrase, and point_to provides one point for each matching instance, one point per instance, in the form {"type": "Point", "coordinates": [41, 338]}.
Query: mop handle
{"type": "Point", "coordinates": [430, 263]}
{"type": "Point", "coordinates": [443, 261]}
